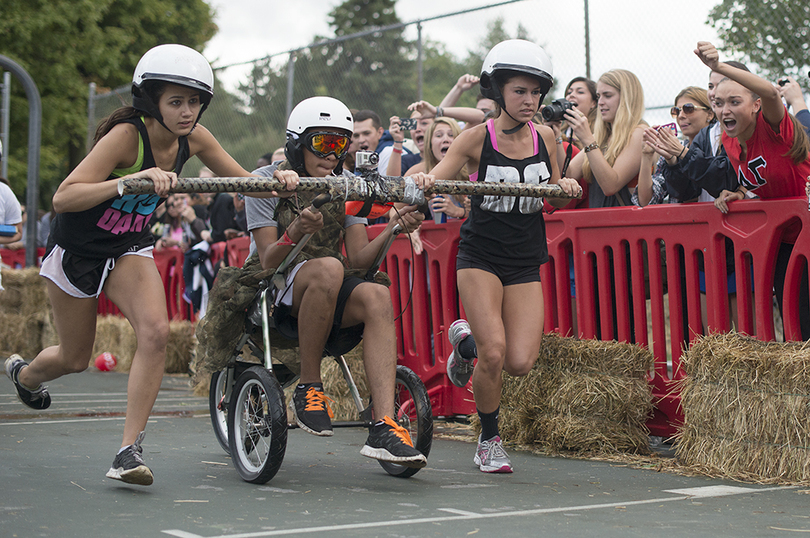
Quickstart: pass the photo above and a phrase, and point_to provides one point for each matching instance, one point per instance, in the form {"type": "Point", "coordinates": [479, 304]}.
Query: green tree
{"type": "Point", "coordinates": [374, 72]}
{"type": "Point", "coordinates": [771, 34]}
{"type": "Point", "coordinates": [66, 44]}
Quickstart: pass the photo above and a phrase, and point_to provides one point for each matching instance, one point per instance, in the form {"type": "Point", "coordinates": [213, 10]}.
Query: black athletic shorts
{"type": "Point", "coordinates": [340, 341]}
{"type": "Point", "coordinates": [509, 275]}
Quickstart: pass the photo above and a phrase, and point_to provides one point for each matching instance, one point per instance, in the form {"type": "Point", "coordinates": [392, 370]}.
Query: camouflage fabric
{"type": "Point", "coordinates": [236, 287]}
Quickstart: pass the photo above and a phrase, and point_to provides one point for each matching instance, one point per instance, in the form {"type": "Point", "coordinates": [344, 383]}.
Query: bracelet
{"type": "Point", "coordinates": [397, 150]}
{"type": "Point", "coordinates": [559, 140]}
{"type": "Point", "coordinates": [590, 147]}
{"type": "Point", "coordinates": [400, 142]}
{"type": "Point", "coordinates": [439, 111]}
{"type": "Point", "coordinates": [285, 241]}
{"type": "Point", "coordinates": [680, 155]}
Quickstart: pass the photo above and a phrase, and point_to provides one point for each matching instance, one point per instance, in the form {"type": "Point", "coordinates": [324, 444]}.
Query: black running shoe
{"type": "Point", "coordinates": [128, 465]}
{"type": "Point", "coordinates": [311, 409]}
{"type": "Point", "coordinates": [37, 398]}
{"type": "Point", "coordinates": [391, 442]}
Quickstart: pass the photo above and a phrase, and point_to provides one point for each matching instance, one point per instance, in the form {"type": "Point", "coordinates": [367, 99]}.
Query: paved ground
{"type": "Point", "coordinates": [52, 467]}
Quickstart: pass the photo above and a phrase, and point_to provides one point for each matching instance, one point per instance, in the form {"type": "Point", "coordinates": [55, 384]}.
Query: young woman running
{"type": "Point", "coordinates": [503, 241]}
{"type": "Point", "coordinates": [100, 240]}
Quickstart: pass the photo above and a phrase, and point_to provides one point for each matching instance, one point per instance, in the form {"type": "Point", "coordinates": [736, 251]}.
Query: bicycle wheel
{"type": "Point", "coordinates": [414, 413]}
{"type": "Point", "coordinates": [257, 425]}
{"type": "Point", "coordinates": [217, 409]}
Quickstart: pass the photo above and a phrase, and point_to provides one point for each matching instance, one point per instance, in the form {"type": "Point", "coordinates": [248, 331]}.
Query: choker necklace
{"type": "Point", "coordinates": [514, 129]}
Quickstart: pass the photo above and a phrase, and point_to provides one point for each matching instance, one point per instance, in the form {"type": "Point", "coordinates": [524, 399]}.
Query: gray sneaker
{"type": "Point", "coordinates": [491, 457]}
{"type": "Point", "coordinates": [460, 362]}
{"type": "Point", "coordinates": [128, 465]}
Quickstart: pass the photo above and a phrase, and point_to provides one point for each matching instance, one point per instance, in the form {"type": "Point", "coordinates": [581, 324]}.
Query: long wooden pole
{"type": "Point", "coordinates": [389, 189]}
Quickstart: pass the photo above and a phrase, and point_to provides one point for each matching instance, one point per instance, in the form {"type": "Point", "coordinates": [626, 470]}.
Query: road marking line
{"type": "Point", "coordinates": [704, 491]}
{"type": "Point", "coordinates": [458, 512]}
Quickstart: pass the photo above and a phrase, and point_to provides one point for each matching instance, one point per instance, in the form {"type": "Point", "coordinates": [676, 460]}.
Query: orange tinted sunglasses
{"type": "Point", "coordinates": [323, 144]}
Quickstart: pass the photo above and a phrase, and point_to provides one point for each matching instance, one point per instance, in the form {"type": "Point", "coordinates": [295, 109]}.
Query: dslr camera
{"type": "Point", "coordinates": [555, 110]}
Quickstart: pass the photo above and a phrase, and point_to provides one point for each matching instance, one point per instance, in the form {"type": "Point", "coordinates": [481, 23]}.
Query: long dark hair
{"type": "Point", "coordinates": [153, 89]}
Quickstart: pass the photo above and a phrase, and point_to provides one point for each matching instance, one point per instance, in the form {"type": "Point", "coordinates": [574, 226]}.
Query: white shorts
{"type": "Point", "coordinates": [56, 270]}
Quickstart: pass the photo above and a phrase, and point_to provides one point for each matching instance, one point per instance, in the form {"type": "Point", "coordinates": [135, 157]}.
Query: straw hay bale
{"type": "Point", "coordinates": [582, 395]}
{"type": "Point", "coordinates": [115, 335]}
{"type": "Point", "coordinates": [181, 347]}
{"type": "Point", "coordinates": [25, 292]}
{"type": "Point", "coordinates": [746, 409]}
{"type": "Point", "coordinates": [21, 334]}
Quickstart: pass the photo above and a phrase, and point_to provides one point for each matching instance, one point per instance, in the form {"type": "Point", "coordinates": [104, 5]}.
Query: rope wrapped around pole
{"type": "Point", "coordinates": [383, 189]}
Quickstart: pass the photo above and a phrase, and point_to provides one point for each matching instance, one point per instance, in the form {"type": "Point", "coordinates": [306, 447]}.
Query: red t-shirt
{"type": "Point", "coordinates": [769, 172]}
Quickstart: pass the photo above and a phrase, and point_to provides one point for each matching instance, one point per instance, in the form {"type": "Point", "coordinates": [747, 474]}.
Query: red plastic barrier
{"type": "Point", "coordinates": [169, 262]}
{"type": "Point", "coordinates": [238, 250]}
{"type": "Point", "coordinates": [16, 258]}
{"type": "Point", "coordinates": [216, 252]}
{"type": "Point", "coordinates": [424, 290]}
{"type": "Point", "coordinates": [612, 269]}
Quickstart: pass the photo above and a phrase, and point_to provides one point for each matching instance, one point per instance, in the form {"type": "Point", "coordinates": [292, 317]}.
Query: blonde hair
{"type": "Point", "coordinates": [430, 160]}
{"type": "Point", "coordinates": [615, 136]}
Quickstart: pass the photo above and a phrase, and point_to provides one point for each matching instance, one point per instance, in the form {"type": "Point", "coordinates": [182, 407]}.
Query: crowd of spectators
{"type": "Point", "coordinates": [602, 141]}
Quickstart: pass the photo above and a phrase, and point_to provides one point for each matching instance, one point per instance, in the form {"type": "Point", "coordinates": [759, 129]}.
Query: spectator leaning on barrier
{"type": "Point", "coordinates": [100, 240]}
{"type": "Point", "coordinates": [768, 150]}
{"type": "Point", "coordinates": [321, 302]}
{"type": "Point", "coordinates": [503, 241]}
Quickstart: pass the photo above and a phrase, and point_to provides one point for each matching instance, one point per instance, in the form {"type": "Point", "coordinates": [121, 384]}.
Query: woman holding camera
{"type": "Point", "coordinates": [611, 156]}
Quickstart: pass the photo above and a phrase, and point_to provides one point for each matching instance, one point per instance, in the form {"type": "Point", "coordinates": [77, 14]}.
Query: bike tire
{"type": "Point", "coordinates": [257, 425]}
{"type": "Point", "coordinates": [219, 412]}
{"type": "Point", "coordinates": [414, 413]}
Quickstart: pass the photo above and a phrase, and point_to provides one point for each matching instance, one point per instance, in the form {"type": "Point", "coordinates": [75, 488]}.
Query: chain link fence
{"type": "Point", "coordinates": [381, 69]}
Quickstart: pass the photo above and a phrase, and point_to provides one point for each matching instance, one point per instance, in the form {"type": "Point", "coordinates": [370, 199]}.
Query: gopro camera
{"type": "Point", "coordinates": [366, 160]}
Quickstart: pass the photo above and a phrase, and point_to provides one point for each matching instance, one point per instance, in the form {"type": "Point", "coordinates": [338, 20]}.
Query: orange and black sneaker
{"type": "Point", "coordinates": [311, 409]}
{"type": "Point", "coordinates": [388, 441]}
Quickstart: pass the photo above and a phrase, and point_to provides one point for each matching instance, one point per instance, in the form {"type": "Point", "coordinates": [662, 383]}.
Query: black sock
{"type": "Point", "coordinates": [489, 424]}
{"type": "Point", "coordinates": [467, 349]}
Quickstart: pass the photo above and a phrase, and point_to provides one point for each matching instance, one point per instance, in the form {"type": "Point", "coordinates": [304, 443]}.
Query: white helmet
{"type": "Point", "coordinates": [516, 55]}
{"type": "Point", "coordinates": [319, 112]}
{"type": "Point", "coordinates": [314, 113]}
{"type": "Point", "coordinates": [176, 64]}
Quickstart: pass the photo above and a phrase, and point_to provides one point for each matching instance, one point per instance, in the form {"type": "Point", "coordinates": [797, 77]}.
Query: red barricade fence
{"type": "Point", "coordinates": [617, 258]}
{"type": "Point", "coordinates": [620, 286]}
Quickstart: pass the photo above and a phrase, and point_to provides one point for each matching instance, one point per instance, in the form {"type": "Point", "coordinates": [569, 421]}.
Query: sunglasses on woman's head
{"type": "Point", "coordinates": [323, 144]}
{"type": "Point", "coordinates": [688, 109]}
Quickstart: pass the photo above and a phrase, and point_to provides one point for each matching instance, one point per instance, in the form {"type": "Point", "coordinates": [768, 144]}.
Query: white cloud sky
{"type": "Point", "coordinates": [651, 38]}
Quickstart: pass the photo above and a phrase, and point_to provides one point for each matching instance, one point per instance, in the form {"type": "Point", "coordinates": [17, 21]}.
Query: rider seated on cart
{"type": "Point", "coordinates": [324, 303]}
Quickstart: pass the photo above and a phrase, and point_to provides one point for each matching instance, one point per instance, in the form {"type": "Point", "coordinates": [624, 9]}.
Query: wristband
{"type": "Point", "coordinates": [285, 241]}
{"type": "Point", "coordinates": [397, 150]}
{"type": "Point", "coordinates": [439, 112]}
{"type": "Point", "coordinates": [590, 147]}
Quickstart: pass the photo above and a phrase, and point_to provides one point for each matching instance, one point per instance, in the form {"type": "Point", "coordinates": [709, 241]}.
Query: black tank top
{"type": "Point", "coordinates": [508, 229]}
{"type": "Point", "coordinates": [114, 226]}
